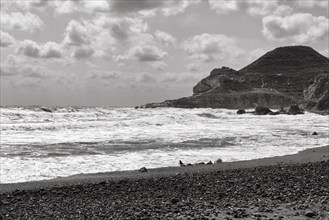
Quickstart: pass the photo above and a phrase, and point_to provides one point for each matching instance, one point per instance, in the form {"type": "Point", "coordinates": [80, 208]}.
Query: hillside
{"type": "Point", "coordinates": [276, 79]}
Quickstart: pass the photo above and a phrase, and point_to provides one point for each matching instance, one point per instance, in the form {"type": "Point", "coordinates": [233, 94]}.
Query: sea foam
{"type": "Point", "coordinates": [38, 145]}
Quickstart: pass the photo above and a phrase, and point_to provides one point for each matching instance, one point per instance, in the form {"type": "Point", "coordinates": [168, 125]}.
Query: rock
{"type": "Point", "coordinates": [174, 201]}
{"type": "Point", "coordinates": [314, 133]}
{"type": "Point", "coordinates": [261, 110]}
{"type": "Point", "coordinates": [295, 110]}
{"type": "Point", "coordinates": [274, 113]}
{"type": "Point", "coordinates": [241, 112]}
{"type": "Point", "coordinates": [219, 160]}
{"type": "Point", "coordinates": [310, 214]}
{"type": "Point", "coordinates": [45, 109]}
{"type": "Point", "coordinates": [181, 164]}
{"type": "Point", "coordinates": [278, 78]}
{"type": "Point", "coordinates": [143, 170]}
{"type": "Point", "coordinates": [209, 163]}
{"type": "Point", "coordinates": [317, 95]}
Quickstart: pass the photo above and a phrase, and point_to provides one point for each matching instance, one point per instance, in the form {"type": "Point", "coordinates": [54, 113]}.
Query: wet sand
{"type": "Point", "coordinates": [290, 187]}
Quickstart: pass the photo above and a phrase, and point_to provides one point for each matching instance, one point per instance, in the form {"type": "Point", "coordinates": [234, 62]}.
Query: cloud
{"type": "Point", "coordinates": [76, 34]}
{"type": "Point", "coordinates": [6, 39]}
{"type": "Point", "coordinates": [159, 65]}
{"type": "Point", "coordinates": [85, 6]}
{"type": "Point", "coordinates": [121, 28]}
{"type": "Point", "coordinates": [312, 3]}
{"type": "Point", "coordinates": [83, 52]}
{"type": "Point", "coordinates": [167, 8]}
{"type": "Point", "coordinates": [25, 71]}
{"type": "Point", "coordinates": [283, 10]}
{"type": "Point", "coordinates": [145, 53]}
{"type": "Point", "coordinates": [209, 47]}
{"type": "Point", "coordinates": [21, 21]}
{"type": "Point", "coordinates": [252, 7]}
{"type": "Point", "coordinates": [297, 28]}
{"type": "Point", "coordinates": [146, 78]}
{"type": "Point", "coordinates": [102, 74]}
{"type": "Point", "coordinates": [48, 50]}
{"type": "Point", "coordinates": [164, 38]}
{"type": "Point", "coordinates": [195, 67]}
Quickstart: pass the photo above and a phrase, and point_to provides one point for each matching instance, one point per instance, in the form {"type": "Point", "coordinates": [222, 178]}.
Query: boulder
{"type": "Point", "coordinates": [310, 214]}
{"type": "Point", "coordinates": [209, 163]}
{"type": "Point", "coordinates": [274, 113]}
{"type": "Point", "coordinates": [219, 160]}
{"type": "Point", "coordinates": [261, 110]}
{"type": "Point", "coordinates": [143, 170]}
{"type": "Point", "coordinates": [314, 133]}
{"type": "Point", "coordinates": [45, 109]}
{"type": "Point", "coordinates": [241, 112]}
{"type": "Point", "coordinates": [295, 110]}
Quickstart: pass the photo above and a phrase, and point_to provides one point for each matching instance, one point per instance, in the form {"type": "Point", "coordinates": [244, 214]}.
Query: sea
{"type": "Point", "coordinates": [40, 145]}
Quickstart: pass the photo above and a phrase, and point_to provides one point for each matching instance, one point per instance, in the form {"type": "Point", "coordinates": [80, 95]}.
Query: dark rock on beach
{"type": "Point", "coordinates": [219, 160]}
{"type": "Point", "coordinates": [45, 109]}
{"type": "Point", "coordinates": [143, 170]}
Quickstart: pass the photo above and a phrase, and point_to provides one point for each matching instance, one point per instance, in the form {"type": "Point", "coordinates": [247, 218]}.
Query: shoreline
{"type": "Point", "coordinates": [304, 156]}
{"type": "Point", "coordinates": [288, 187]}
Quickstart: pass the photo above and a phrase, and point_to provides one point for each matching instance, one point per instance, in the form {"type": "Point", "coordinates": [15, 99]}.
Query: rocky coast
{"type": "Point", "coordinates": [288, 187]}
{"type": "Point", "coordinates": [292, 75]}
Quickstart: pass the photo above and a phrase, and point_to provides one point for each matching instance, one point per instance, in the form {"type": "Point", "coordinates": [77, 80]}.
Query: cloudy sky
{"type": "Point", "coordinates": [130, 52]}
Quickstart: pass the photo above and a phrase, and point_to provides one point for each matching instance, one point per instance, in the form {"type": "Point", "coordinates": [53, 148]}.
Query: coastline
{"type": "Point", "coordinates": [285, 187]}
{"type": "Point", "coordinates": [304, 156]}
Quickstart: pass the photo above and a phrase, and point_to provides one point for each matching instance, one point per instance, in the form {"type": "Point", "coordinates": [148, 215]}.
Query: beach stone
{"type": "Point", "coordinates": [174, 201]}
{"type": "Point", "coordinates": [261, 110]}
{"type": "Point", "coordinates": [143, 170]}
{"type": "Point", "coordinates": [310, 214]}
{"type": "Point", "coordinates": [219, 160]}
{"type": "Point", "coordinates": [241, 112]}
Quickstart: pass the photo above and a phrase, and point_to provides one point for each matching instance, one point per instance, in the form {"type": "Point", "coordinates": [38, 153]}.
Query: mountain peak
{"type": "Point", "coordinates": [287, 60]}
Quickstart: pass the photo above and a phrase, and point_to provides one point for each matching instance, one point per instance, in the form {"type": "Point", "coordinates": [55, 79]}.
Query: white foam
{"type": "Point", "coordinates": [29, 135]}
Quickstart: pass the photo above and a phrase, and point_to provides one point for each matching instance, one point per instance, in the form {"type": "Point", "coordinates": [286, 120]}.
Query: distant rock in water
{"type": "Point", "coordinates": [276, 79]}
{"type": "Point", "coordinates": [261, 110]}
{"type": "Point", "coordinates": [241, 112]}
{"type": "Point", "coordinates": [295, 110]}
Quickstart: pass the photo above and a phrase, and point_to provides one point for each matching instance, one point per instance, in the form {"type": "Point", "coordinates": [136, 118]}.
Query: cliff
{"type": "Point", "coordinates": [276, 79]}
{"type": "Point", "coordinates": [316, 96]}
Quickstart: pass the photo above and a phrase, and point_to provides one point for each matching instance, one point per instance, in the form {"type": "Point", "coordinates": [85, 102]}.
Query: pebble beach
{"type": "Point", "coordinates": [288, 187]}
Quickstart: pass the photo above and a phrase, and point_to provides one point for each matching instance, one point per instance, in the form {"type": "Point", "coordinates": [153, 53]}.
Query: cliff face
{"type": "Point", "coordinates": [317, 94]}
{"type": "Point", "coordinates": [276, 79]}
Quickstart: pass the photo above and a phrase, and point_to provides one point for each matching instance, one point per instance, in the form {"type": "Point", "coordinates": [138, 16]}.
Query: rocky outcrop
{"type": "Point", "coordinates": [275, 80]}
{"type": "Point", "coordinates": [317, 95]}
{"type": "Point", "coordinates": [261, 110]}
{"type": "Point", "coordinates": [230, 100]}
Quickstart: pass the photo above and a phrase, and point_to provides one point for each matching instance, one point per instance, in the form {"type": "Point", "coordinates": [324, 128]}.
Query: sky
{"type": "Point", "coordinates": [132, 52]}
